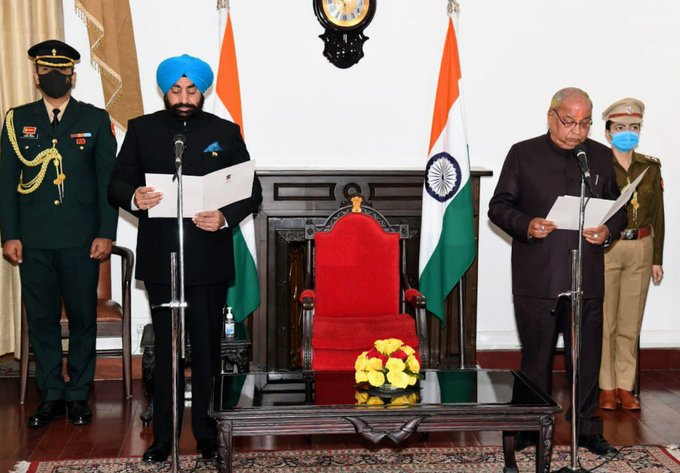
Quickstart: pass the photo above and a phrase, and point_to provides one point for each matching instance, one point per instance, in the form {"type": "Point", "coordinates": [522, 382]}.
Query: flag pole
{"type": "Point", "coordinates": [453, 7]}
{"type": "Point", "coordinates": [243, 293]}
{"type": "Point", "coordinates": [447, 244]}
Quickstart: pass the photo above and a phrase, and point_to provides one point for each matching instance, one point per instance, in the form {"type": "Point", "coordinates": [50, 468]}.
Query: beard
{"type": "Point", "coordinates": [190, 110]}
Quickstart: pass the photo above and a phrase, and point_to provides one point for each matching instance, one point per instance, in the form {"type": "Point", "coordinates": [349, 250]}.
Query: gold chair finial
{"type": "Point", "coordinates": [356, 203]}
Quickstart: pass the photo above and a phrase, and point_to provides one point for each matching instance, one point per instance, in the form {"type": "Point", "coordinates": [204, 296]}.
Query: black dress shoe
{"type": "Point", "coordinates": [598, 445]}
{"type": "Point", "coordinates": [208, 449]}
{"type": "Point", "coordinates": [79, 412]}
{"type": "Point", "coordinates": [157, 452]}
{"type": "Point", "coordinates": [46, 413]}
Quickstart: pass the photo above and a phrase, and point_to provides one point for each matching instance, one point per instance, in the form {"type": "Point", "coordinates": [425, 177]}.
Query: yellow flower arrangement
{"type": "Point", "coordinates": [388, 361]}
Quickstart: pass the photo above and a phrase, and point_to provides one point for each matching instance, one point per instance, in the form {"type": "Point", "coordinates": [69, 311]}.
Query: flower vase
{"type": "Point", "coordinates": [386, 390]}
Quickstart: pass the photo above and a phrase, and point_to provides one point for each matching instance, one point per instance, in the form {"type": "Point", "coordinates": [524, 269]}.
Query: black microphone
{"type": "Point", "coordinates": [581, 156]}
{"type": "Point", "coordinates": [180, 143]}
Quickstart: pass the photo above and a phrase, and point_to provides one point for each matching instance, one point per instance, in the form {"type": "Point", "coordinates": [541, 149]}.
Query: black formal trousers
{"type": "Point", "coordinates": [538, 331]}
{"type": "Point", "coordinates": [47, 277]}
{"type": "Point", "coordinates": [203, 320]}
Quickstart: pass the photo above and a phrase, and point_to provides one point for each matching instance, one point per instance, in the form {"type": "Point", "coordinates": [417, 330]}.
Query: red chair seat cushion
{"type": "Point", "coordinates": [335, 360]}
{"type": "Point", "coordinates": [336, 342]}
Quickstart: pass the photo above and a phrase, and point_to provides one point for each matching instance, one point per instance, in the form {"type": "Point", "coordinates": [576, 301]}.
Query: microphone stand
{"type": "Point", "coordinates": [177, 309]}
{"type": "Point", "coordinates": [576, 295]}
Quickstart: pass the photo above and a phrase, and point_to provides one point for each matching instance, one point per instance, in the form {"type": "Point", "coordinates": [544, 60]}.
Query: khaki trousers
{"type": "Point", "coordinates": [628, 270]}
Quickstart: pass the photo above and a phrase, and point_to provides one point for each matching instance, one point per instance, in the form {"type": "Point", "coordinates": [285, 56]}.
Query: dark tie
{"type": "Point", "coordinates": [55, 119]}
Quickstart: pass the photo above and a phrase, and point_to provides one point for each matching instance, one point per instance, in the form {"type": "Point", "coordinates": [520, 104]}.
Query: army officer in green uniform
{"type": "Point", "coordinates": [633, 260]}
{"type": "Point", "coordinates": [56, 156]}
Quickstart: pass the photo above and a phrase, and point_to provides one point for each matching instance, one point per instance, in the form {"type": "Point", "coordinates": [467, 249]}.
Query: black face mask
{"type": "Point", "coordinates": [55, 84]}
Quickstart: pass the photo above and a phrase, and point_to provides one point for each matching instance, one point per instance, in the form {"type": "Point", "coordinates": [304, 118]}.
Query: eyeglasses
{"type": "Point", "coordinates": [618, 127]}
{"type": "Point", "coordinates": [584, 124]}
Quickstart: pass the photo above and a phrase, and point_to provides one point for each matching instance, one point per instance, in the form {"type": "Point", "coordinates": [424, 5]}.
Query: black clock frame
{"type": "Point", "coordinates": [343, 45]}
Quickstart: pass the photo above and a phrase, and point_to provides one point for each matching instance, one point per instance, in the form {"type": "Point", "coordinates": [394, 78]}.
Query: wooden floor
{"type": "Point", "coordinates": [118, 432]}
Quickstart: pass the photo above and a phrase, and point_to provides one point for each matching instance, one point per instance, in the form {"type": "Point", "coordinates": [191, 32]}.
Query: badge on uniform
{"type": "Point", "coordinates": [30, 132]}
{"type": "Point", "coordinates": [213, 149]}
{"type": "Point", "coordinates": [80, 138]}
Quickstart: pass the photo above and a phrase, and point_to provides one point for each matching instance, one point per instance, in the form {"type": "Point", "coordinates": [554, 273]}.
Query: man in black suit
{"type": "Point", "coordinates": [535, 173]}
{"type": "Point", "coordinates": [211, 144]}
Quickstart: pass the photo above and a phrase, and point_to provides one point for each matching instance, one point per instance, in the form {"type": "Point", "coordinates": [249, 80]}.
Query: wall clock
{"type": "Point", "coordinates": [344, 21]}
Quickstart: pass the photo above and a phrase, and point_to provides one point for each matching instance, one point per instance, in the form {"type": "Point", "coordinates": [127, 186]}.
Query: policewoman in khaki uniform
{"type": "Point", "coordinates": [56, 156]}
{"type": "Point", "coordinates": [633, 260]}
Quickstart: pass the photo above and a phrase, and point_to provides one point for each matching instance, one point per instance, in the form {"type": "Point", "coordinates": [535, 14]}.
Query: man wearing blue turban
{"type": "Point", "coordinates": [193, 68]}
{"type": "Point", "coordinates": [212, 143]}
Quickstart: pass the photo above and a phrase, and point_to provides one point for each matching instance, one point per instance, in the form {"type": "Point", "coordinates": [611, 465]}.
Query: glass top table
{"type": "Point", "coordinates": [326, 402]}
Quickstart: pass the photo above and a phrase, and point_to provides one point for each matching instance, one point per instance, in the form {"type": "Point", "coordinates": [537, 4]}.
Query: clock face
{"type": "Point", "coordinates": [346, 13]}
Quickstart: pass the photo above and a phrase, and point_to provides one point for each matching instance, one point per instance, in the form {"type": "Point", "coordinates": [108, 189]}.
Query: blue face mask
{"type": "Point", "coordinates": [625, 140]}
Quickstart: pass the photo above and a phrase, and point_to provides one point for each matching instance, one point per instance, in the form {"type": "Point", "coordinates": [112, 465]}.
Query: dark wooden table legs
{"type": "Point", "coordinates": [224, 447]}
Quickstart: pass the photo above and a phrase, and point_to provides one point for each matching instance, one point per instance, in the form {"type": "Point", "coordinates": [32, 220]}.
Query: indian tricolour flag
{"type": "Point", "coordinates": [244, 292]}
{"type": "Point", "coordinates": [447, 242]}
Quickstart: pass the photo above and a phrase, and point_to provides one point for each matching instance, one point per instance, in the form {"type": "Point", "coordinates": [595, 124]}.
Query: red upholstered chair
{"type": "Point", "coordinates": [357, 263]}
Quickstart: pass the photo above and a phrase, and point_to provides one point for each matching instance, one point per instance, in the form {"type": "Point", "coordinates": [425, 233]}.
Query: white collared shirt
{"type": "Point", "coordinates": [49, 107]}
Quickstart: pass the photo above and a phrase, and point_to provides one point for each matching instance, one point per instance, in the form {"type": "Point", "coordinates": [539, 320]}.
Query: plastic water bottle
{"type": "Point", "coordinates": [229, 324]}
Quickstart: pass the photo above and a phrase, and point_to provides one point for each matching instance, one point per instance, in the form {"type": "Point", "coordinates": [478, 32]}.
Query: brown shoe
{"type": "Point", "coordinates": [628, 401]}
{"type": "Point", "coordinates": [608, 400]}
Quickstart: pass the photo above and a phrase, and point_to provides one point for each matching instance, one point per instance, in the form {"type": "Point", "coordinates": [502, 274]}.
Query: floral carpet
{"type": "Point", "coordinates": [647, 459]}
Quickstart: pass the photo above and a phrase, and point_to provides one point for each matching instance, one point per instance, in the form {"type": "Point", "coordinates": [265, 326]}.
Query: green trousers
{"type": "Point", "coordinates": [48, 277]}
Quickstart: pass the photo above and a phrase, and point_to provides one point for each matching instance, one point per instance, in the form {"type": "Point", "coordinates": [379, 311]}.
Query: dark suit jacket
{"type": "Point", "coordinates": [149, 148]}
{"type": "Point", "coordinates": [38, 219]}
{"type": "Point", "coordinates": [534, 174]}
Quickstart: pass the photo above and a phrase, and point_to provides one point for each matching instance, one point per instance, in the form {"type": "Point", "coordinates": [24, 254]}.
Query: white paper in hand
{"type": "Point", "coordinates": [565, 210]}
{"type": "Point", "coordinates": [201, 193]}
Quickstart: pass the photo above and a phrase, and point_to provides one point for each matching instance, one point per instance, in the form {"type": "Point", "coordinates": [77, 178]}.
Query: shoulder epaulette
{"type": "Point", "coordinates": [651, 159]}
{"type": "Point", "coordinates": [89, 105]}
{"type": "Point", "coordinates": [22, 106]}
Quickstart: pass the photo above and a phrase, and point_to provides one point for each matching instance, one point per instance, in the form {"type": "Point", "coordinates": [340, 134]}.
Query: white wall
{"type": "Point", "coordinates": [300, 111]}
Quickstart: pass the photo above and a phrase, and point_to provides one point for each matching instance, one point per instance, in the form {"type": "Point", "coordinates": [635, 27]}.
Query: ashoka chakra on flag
{"type": "Point", "coordinates": [442, 176]}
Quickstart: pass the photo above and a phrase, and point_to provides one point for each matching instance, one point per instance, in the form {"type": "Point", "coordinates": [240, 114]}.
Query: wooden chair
{"type": "Point", "coordinates": [357, 262]}
{"type": "Point", "coordinates": [113, 320]}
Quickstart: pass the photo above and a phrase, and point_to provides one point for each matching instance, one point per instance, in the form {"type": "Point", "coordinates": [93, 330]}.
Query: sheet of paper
{"type": "Point", "coordinates": [565, 210]}
{"type": "Point", "coordinates": [624, 197]}
{"type": "Point", "coordinates": [209, 192]}
{"type": "Point", "coordinates": [167, 207]}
